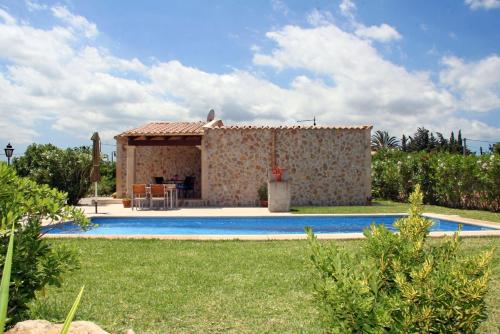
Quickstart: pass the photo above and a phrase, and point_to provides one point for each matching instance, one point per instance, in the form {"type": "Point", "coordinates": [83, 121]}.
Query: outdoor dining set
{"type": "Point", "coordinates": [164, 192]}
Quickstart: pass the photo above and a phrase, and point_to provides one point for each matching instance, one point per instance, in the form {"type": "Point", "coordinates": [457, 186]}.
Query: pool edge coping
{"type": "Point", "coordinates": [255, 237]}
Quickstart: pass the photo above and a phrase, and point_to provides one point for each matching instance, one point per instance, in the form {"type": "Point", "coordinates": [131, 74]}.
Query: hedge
{"type": "Point", "coordinates": [452, 180]}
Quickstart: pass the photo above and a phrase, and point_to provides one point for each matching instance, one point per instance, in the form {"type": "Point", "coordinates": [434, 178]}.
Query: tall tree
{"type": "Point", "coordinates": [382, 140]}
{"type": "Point", "coordinates": [420, 140]}
{"type": "Point", "coordinates": [403, 144]}
{"type": "Point", "coordinates": [452, 143]}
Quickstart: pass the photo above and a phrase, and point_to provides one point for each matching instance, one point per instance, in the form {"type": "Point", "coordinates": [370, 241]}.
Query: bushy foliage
{"type": "Point", "coordinates": [107, 184]}
{"type": "Point", "coordinates": [452, 180]}
{"type": "Point", "coordinates": [399, 283]}
{"type": "Point", "coordinates": [36, 262]}
{"type": "Point", "coordinates": [67, 170]}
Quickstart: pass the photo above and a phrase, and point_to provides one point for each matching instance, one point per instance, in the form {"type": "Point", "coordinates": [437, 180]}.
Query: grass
{"type": "Point", "coordinates": [380, 206]}
{"type": "Point", "coordinates": [160, 286]}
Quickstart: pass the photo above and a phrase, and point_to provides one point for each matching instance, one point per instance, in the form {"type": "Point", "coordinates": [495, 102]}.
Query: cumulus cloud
{"type": "Point", "coordinates": [56, 76]}
{"type": "Point", "coordinates": [381, 33]}
{"type": "Point", "coordinates": [76, 21]}
{"type": "Point", "coordinates": [6, 17]}
{"type": "Point", "coordinates": [34, 6]}
{"type": "Point", "coordinates": [347, 8]}
{"type": "Point", "coordinates": [319, 18]}
{"type": "Point", "coordinates": [476, 83]}
{"type": "Point", "coordinates": [483, 4]}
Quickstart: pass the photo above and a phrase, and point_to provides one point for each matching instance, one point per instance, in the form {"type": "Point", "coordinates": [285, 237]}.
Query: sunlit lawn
{"type": "Point", "coordinates": [160, 286]}
{"type": "Point", "coordinates": [396, 207]}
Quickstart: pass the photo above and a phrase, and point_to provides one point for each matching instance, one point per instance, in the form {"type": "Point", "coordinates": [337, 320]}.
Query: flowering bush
{"type": "Point", "coordinates": [471, 182]}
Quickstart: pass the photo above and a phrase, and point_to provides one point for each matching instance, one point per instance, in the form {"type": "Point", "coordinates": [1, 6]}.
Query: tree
{"type": "Point", "coordinates": [382, 140]}
{"type": "Point", "coordinates": [442, 142]}
{"type": "Point", "coordinates": [460, 143]}
{"type": "Point", "coordinates": [404, 147]}
{"type": "Point", "coordinates": [495, 148]}
{"type": "Point", "coordinates": [452, 148]}
{"type": "Point", "coordinates": [420, 140]}
{"type": "Point", "coordinates": [37, 262]}
{"type": "Point", "coordinates": [67, 170]}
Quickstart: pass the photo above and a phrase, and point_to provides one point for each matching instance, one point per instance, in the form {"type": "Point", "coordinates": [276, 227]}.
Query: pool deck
{"type": "Point", "coordinates": [117, 210]}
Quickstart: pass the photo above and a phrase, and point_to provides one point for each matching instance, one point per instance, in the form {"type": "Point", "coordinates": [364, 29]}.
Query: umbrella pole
{"type": "Point", "coordinates": [95, 196]}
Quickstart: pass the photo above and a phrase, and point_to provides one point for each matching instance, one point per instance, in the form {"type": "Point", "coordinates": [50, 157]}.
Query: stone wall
{"type": "Point", "coordinates": [327, 166]}
{"type": "Point", "coordinates": [166, 161]}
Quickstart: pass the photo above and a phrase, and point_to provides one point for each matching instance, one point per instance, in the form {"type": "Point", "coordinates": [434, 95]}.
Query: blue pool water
{"type": "Point", "coordinates": [242, 225]}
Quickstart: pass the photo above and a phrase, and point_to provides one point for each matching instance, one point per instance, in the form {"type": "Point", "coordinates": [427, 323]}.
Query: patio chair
{"type": "Point", "coordinates": [158, 194]}
{"type": "Point", "coordinates": [187, 186]}
{"type": "Point", "coordinates": [172, 195]}
{"type": "Point", "coordinates": [158, 179]}
{"type": "Point", "coordinates": [139, 195]}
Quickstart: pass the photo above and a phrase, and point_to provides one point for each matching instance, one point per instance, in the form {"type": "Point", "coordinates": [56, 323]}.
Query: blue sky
{"type": "Point", "coordinates": [68, 68]}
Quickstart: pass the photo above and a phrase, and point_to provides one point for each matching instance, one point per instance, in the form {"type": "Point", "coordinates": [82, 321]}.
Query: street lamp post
{"type": "Point", "coordinates": [8, 152]}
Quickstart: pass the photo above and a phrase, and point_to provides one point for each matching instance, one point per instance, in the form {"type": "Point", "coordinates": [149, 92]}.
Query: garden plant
{"type": "Point", "coordinates": [401, 283]}
{"type": "Point", "coordinates": [24, 206]}
{"type": "Point", "coordinates": [451, 180]}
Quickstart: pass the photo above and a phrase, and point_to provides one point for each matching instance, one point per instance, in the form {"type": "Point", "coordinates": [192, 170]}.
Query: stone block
{"type": "Point", "coordinates": [279, 196]}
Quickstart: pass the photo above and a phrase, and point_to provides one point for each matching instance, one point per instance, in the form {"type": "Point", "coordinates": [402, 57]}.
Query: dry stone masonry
{"type": "Point", "coordinates": [326, 165]}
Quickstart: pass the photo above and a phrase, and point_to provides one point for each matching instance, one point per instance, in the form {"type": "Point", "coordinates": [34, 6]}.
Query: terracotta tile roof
{"type": "Point", "coordinates": [319, 127]}
{"type": "Point", "coordinates": [166, 128]}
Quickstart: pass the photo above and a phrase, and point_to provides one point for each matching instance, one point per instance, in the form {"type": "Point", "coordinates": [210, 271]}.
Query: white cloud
{"type": "Point", "coordinates": [476, 83]}
{"type": "Point", "coordinates": [483, 4]}
{"type": "Point", "coordinates": [347, 8]}
{"type": "Point", "coordinates": [34, 6]}
{"type": "Point", "coordinates": [58, 76]}
{"type": "Point", "coordinates": [280, 7]}
{"type": "Point", "coordinates": [6, 17]}
{"type": "Point", "coordinates": [76, 21]}
{"type": "Point", "coordinates": [319, 18]}
{"type": "Point", "coordinates": [381, 33]}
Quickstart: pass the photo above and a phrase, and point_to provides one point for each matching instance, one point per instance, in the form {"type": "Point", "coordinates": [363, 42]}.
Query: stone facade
{"type": "Point", "coordinates": [327, 166]}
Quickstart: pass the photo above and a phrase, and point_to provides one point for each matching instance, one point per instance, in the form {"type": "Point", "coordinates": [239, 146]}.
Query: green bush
{"type": "Point", "coordinates": [107, 184]}
{"type": "Point", "coordinates": [67, 170]}
{"type": "Point", "coordinates": [452, 180]}
{"type": "Point", "coordinates": [36, 262]}
{"type": "Point", "coordinates": [399, 283]}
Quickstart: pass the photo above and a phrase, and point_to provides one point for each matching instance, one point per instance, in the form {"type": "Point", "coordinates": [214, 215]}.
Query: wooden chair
{"type": "Point", "coordinates": [139, 194]}
{"type": "Point", "coordinates": [158, 194]}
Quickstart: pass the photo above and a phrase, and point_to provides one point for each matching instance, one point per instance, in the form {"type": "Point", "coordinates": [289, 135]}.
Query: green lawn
{"type": "Point", "coordinates": [160, 286]}
{"type": "Point", "coordinates": [396, 207]}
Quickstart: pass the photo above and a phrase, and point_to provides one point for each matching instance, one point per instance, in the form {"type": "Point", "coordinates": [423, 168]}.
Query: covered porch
{"type": "Point", "coordinates": [162, 152]}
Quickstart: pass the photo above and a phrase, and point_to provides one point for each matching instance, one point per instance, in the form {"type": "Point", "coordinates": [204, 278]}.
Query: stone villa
{"type": "Point", "coordinates": [328, 165]}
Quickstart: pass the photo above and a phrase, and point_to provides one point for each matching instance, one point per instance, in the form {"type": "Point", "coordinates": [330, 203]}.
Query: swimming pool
{"type": "Point", "coordinates": [130, 226]}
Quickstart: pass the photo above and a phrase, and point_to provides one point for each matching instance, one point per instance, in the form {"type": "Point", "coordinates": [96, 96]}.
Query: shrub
{"type": "Point", "coordinates": [262, 192]}
{"type": "Point", "coordinates": [36, 262]}
{"type": "Point", "coordinates": [67, 170]}
{"type": "Point", "coordinates": [399, 283]}
{"type": "Point", "coordinates": [446, 179]}
{"type": "Point", "coordinates": [107, 184]}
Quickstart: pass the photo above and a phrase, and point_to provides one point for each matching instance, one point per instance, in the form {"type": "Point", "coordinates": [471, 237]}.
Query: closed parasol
{"type": "Point", "coordinates": [95, 174]}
